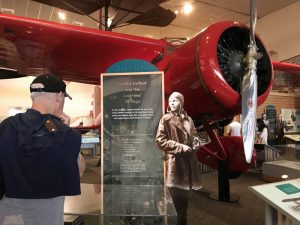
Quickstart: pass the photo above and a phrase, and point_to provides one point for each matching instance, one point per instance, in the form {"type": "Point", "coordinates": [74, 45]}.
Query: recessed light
{"type": "Point", "coordinates": [187, 8]}
{"type": "Point", "coordinates": [61, 15]}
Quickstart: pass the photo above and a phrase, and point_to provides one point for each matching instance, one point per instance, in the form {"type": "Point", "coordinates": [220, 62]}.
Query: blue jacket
{"type": "Point", "coordinates": [37, 162]}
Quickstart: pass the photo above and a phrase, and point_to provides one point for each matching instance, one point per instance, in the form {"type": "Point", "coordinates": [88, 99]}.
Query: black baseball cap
{"type": "Point", "coordinates": [48, 83]}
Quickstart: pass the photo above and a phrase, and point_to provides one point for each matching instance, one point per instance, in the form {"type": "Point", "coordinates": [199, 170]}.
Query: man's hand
{"type": "Point", "coordinates": [65, 118]}
{"type": "Point", "coordinates": [81, 164]}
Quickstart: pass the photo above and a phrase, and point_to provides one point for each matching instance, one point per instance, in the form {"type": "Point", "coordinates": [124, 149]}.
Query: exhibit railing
{"type": "Point", "coordinates": [271, 153]}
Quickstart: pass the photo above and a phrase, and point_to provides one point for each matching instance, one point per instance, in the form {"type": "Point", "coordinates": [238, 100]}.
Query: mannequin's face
{"type": "Point", "coordinates": [264, 116]}
{"type": "Point", "coordinates": [174, 104]}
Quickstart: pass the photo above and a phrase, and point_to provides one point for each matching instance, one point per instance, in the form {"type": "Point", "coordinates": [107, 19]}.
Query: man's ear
{"type": "Point", "coordinates": [59, 97]}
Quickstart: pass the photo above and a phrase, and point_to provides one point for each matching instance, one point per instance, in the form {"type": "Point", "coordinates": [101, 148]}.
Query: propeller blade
{"type": "Point", "coordinates": [253, 17]}
{"type": "Point", "coordinates": [249, 90]}
{"type": "Point", "coordinates": [249, 104]}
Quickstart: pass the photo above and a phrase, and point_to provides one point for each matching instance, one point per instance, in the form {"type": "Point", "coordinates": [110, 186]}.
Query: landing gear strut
{"type": "Point", "coordinates": [223, 185]}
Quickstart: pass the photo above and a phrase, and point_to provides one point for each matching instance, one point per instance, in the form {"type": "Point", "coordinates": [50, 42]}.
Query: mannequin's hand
{"type": "Point", "coordinates": [196, 144]}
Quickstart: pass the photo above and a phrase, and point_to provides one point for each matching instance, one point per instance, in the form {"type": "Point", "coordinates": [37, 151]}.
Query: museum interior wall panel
{"type": "Point", "coordinates": [96, 101]}
{"type": "Point", "coordinates": [280, 101]}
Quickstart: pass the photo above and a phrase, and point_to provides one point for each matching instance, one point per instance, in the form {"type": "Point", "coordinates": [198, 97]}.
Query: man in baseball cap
{"type": "Point", "coordinates": [42, 149]}
{"type": "Point", "coordinates": [49, 83]}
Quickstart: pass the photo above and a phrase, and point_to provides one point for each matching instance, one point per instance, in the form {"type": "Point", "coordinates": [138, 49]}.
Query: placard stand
{"type": "Point", "coordinates": [132, 168]}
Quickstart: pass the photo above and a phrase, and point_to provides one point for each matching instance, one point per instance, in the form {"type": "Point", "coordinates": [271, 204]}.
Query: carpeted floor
{"type": "Point", "coordinates": [203, 210]}
{"type": "Point", "coordinates": [248, 210]}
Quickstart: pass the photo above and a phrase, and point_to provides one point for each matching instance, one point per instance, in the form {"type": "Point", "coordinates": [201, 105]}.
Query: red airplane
{"type": "Point", "coordinates": [208, 69]}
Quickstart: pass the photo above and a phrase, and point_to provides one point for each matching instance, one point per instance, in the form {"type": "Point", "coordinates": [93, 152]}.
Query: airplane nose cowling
{"type": "Point", "coordinates": [209, 68]}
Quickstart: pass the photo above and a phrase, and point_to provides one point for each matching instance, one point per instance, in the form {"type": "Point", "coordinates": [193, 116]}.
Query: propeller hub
{"type": "Point", "coordinates": [231, 51]}
{"type": "Point", "coordinates": [236, 64]}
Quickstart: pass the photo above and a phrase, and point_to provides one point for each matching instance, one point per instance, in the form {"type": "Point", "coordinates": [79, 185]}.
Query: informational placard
{"type": "Point", "coordinates": [271, 116]}
{"type": "Point", "coordinates": [288, 188]}
{"type": "Point", "coordinates": [291, 120]}
{"type": "Point", "coordinates": [132, 105]}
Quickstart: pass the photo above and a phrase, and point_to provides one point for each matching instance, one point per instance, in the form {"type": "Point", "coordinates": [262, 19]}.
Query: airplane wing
{"type": "Point", "coordinates": [143, 13]}
{"type": "Point", "coordinates": [286, 76]}
{"type": "Point", "coordinates": [33, 47]}
{"type": "Point", "coordinates": [286, 67]}
{"type": "Point", "coordinates": [85, 129]}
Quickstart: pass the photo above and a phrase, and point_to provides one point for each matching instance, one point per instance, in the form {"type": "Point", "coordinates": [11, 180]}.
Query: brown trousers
{"type": "Point", "coordinates": [180, 199]}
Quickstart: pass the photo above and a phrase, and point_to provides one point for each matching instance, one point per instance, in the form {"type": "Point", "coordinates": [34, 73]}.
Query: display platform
{"type": "Point", "coordinates": [291, 151]}
{"type": "Point", "coordinates": [282, 201]}
{"type": "Point", "coordinates": [124, 204]}
{"type": "Point", "coordinates": [273, 171]}
{"type": "Point", "coordinates": [137, 204]}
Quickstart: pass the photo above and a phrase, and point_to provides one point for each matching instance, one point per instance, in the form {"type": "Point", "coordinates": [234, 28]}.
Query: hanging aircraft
{"type": "Point", "coordinates": [208, 69]}
{"type": "Point", "coordinates": [141, 12]}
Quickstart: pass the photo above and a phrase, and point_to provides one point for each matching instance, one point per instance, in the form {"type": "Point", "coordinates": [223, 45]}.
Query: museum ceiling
{"type": "Point", "coordinates": [204, 12]}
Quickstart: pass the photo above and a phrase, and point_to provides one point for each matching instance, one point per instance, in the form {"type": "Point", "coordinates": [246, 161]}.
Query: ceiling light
{"type": "Point", "coordinates": [61, 15]}
{"type": "Point", "coordinates": [187, 8]}
{"type": "Point", "coordinates": [109, 21]}
{"type": "Point", "coordinates": [176, 11]}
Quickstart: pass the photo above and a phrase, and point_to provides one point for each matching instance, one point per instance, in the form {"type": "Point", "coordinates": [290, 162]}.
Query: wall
{"type": "Point", "coordinates": [280, 31]}
{"type": "Point", "coordinates": [280, 101]}
{"type": "Point", "coordinates": [15, 93]}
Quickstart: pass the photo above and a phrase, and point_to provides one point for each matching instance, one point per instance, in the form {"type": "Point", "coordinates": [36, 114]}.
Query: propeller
{"type": "Point", "coordinates": [249, 89]}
